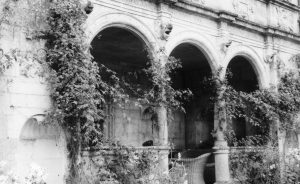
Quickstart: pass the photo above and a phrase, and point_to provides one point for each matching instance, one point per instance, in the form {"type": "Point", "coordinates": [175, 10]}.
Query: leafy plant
{"type": "Point", "coordinates": [7, 176]}
{"type": "Point", "coordinates": [257, 159]}
{"type": "Point", "coordinates": [78, 102]}
{"type": "Point", "coordinates": [81, 88]}
{"type": "Point", "coordinates": [251, 165]}
{"type": "Point", "coordinates": [279, 103]}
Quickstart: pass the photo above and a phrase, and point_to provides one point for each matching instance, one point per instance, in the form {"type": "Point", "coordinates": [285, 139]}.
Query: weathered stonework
{"type": "Point", "coordinates": [244, 9]}
{"type": "Point", "coordinates": [263, 32]}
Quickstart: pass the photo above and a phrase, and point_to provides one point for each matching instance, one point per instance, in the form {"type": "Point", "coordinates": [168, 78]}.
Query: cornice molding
{"type": "Point", "coordinates": [282, 3]}
{"type": "Point", "coordinates": [234, 20]}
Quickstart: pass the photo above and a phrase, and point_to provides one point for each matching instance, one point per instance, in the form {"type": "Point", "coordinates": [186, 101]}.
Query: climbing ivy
{"type": "Point", "coordinates": [162, 92]}
{"type": "Point", "coordinates": [278, 103]}
{"type": "Point", "coordinates": [277, 107]}
{"type": "Point", "coordinates": [75, 82]}
{"type": "Point", "coordinates": [81, 88]}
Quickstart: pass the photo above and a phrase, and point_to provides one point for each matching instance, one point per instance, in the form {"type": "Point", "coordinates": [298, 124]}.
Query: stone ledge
{"type": "Point", "coordinates": [149, 148]}
{"type": "Point", "coordinates": [283, 3]}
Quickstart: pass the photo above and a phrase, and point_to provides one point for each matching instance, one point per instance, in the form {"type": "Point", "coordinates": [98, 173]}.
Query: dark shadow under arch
{"type": "Point", "coordinates": [198, 119]}
{"type": "Point", "coordinates": [124, 52]}
{"type": "Point", "coordinates": [192, 131]}
{"type": "Point", "coordinates": [118, 47]}
{"type": "Point", "coordinates": [242, 77]}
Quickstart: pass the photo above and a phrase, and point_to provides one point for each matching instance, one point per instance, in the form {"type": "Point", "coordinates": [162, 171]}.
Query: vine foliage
{"type": "Point", "coordinates": [272, 111]}
{"type": "Point", "coordinates": [277, 104]}
{"type": "Point", "coordinates": [75, 81]}
{"type": "Point", "coordinates": [80, 89]}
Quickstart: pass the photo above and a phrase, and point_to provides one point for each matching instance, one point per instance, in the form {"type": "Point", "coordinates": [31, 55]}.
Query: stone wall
{"type": "Point", "coordinates": [23, 95]}
{"type": "Point", "coordinates": [264, 32]}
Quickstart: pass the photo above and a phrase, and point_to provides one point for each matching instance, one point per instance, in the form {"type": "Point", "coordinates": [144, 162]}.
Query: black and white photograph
{"type": "Point", "coordinates": [149, 91]}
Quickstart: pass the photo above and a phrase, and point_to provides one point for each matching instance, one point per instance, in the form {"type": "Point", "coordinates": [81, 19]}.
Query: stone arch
{"type": "Point", "coordinates": [42, 145]}
{"type": "Point", "coordinates": [34, 129]}
{"type": "Point", "coordinates": [121, 48]}
{"type": "Point", "coordinates": [248, 75]}
{"type": "Point", "coordinates": [199, 41]}
{"type": "Point", "coordinates": [121, 20]}
{"type": "Point", "coordinates": [253, 58]}
{"type": "Point", "coordinates": [192, 129]}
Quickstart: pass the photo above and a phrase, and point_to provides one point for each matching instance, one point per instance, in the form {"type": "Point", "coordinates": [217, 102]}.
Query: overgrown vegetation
{"type": "Point", "coordinates": [272, 111]}
{"type": "Point", "coordinates": [36, 175]}
{"type": "Point", "coordinates": [81, 88]}
{"type": "Point", "coordinates": [255, 165]}
{"type": "Point", "coordinates": [278, 103]}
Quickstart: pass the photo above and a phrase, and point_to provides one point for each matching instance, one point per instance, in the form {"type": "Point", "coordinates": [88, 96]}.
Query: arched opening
{"type": "Point", "coordinates": [124, 52]}
{"type": "Point", "coordinates": [120, 50]}
{"type": "Point", "coordinates": [192, 130]}
{"type": "Point", "coordinates": [242, 77]}
{"type": "Point", "coordinates": [42, 145]}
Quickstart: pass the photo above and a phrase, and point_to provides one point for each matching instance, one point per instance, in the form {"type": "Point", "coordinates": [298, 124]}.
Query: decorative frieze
{"type": "Point", "coordinates": [284, 19]}
{"type": "Point", "coordinates": [243, 8]}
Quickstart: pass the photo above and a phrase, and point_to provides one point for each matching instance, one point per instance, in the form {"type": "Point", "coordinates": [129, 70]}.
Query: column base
{"type": "Point", "coordinates": [164, 161]}
{"type": "Point", "coordinates": [222, 162]}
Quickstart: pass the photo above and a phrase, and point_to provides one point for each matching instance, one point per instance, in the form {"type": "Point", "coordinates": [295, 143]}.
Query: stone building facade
{"type": "Point", "coordinates": [249, 37]}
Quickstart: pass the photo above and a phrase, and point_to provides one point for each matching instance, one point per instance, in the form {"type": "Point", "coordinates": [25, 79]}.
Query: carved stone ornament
{"type": "Point", "coordinates": [284, 19]}
{"type": "Point", "coordinates": [271, 59]}
{"type": "Point", "coordinates": [274, 61]}
{"type": "Point", "coordinates": [225, 46]}
{"type": "Point", "coordinates": [296, 60]}
{"type": "Point", "coordinates": [166, 29]}
{"type": "Point", "coordinates": [89, 7]}
{"type": "Point", "coordinates": [243, 8]}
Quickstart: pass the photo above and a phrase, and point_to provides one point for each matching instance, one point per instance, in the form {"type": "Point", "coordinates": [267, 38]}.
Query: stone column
{"type": "Point", "coordinates": [163, 126]}
{"type": "Point", "coordinates": [221, 152]}
{"type": "Point", "coordinates": [163, 30]}
{"type": "Point", "coordinates": [221, 149]}
{"type": "Point", "coordinates": [163, 139]}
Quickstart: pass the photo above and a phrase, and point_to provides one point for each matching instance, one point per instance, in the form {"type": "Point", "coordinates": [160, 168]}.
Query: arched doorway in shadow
{"type": "Point", "coordinates": [124, 52]}
{"type": "Point", "coordinates": [42, 145]}
{"type": "Point", "coordinates": [242, 77]}
{"type": "Point", "coordinates": [192, 130]}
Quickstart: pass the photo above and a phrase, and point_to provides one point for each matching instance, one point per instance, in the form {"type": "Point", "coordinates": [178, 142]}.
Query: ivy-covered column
{"type": "Point", "coordinates": [221, 149]}
{"type": "Point", "coordinates": [163, 30]}
{"type": "Point", "coordinates": [163, 136]}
